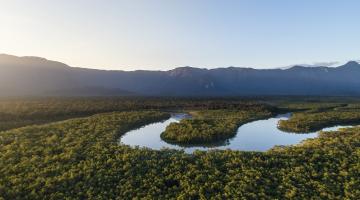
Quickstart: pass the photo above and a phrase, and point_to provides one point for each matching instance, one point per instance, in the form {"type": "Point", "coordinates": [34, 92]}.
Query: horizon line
{"type": "Point", "coordinates": [330, 64]}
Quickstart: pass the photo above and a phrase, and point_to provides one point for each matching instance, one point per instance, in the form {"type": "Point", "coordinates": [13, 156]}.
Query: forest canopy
{"type": "Point", "coordinates": [81, 158]}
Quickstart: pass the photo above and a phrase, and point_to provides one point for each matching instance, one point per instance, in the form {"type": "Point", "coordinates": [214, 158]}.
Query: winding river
{"type": "Point", "coordinates": [260, 135]}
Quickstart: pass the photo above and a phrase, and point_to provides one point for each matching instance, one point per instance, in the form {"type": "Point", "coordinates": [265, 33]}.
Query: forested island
{"type": "Point", "coordinates": [309, 122]}
{"type": "Point", "coordinates": [67, 148]}
{"type": "Point", "coordinates": [212, 126]}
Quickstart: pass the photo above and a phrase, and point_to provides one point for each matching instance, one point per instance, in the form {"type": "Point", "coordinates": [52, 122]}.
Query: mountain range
{"type": "Point", "coordinates": [34, 76]}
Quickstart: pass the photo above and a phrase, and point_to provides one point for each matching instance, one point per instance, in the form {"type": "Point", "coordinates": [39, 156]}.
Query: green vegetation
{"type": "Point", "coordinates": [211, 126]}
{"type": "Point", "coordinates": [318, 118]}
{"type": "Point", "coordinates": [81, 159]}
{"type": "Point", "coordinates": [16, 113]}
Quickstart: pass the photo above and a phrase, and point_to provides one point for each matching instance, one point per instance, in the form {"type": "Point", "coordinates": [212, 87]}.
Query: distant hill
{"type": "Point", "coordinates": [36, 76]}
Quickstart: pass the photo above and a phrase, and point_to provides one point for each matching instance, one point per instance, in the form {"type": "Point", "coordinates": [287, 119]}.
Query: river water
{"type": "Point", "coordinates": [260, 135]}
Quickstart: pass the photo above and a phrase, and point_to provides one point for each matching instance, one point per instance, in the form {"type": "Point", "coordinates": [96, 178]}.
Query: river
{"type": "Point", "coordinates": [259, 135]}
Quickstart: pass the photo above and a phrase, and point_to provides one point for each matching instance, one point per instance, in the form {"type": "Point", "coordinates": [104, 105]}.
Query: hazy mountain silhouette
{"type": "Point", "coordinates": [38, 76]}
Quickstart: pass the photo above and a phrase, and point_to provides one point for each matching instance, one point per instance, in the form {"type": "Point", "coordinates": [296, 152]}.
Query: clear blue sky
{"type": "Point", "coordinates": [163, 34]}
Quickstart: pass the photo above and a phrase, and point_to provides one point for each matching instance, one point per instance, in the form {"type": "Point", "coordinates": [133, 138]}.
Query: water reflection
{"type": "Point", "coordinates": [259, 135]}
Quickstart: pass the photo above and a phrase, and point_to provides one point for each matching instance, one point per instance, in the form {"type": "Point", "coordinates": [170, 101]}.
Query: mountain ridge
{"type": "Point", "coordinates": [40, 77]}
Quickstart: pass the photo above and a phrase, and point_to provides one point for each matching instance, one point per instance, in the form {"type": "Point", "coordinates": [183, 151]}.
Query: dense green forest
{"type": "Point", "coordinates": [81, 158]}
{"type": "Point", "coordinates": [18, 112]}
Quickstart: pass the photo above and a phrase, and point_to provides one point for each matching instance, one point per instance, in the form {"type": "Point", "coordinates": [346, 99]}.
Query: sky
{"type": "Point", "coordinates": [164, 34]}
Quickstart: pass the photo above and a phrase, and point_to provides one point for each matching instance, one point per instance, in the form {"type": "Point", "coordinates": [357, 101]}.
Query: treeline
{"type": "Point", "coordinates": [18, 112]}
{"type": "Point", "coordinates": [211, 126]}
{"type": "Point", "coordinates": [82, 159]}
{"type": "Point", "coordinates": [311, 106]}
{"type": "Point", "coordinates": [21, 112]}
